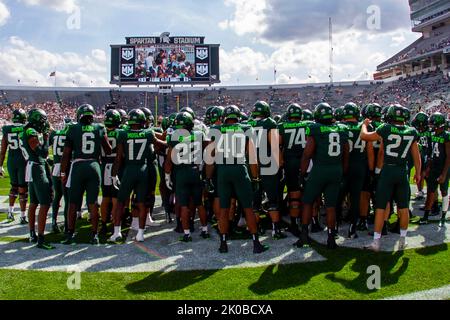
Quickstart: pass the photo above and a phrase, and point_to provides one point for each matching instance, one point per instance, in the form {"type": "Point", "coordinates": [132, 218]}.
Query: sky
{"type": "Point", "coordinates": [257, 37]}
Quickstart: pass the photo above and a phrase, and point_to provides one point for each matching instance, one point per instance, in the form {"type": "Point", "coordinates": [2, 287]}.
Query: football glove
{"type": "Point", "coordinates": [209, 186]}
{"type": "Point", "coordinates": [168, 179]}
{"type": "Point", "coordinates": [116, 182]}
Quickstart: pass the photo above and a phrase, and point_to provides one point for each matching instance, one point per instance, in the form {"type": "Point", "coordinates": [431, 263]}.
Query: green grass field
{"type": "Point", "coordinates": [342, 276]}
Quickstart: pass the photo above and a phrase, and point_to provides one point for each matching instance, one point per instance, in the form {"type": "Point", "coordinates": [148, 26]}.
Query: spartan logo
{"type": "Point", "coordinates": [201, 53]}
{"type": "Point", "coordinates": [164, 37]}
{"type": "Point", "coordinates": [127, 54]}
{"type": "Point", "coordinates": [127, 69]}
{"type": "Point", "coordinates": [202, 69]}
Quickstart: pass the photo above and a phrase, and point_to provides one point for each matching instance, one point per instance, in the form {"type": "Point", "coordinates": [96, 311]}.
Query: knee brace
{"type": "Point", "coordinates": [23, 197]}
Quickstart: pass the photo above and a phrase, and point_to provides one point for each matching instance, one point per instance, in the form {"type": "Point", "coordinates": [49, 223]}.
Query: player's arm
{"type": "Point", "coordinates": [118, 161]}
{"type": "Point", "coordinates": [380, 158]}
{"type": "Point", "coordinates": [346, 157]}
{"type": "Point", "coordinates": [307, 155]}
{"type": "Point", "coordinates": [160, 144]}
{"type": "Point", "coordinates": [3, 151]}
{"type": "Point", "coordinates": [366, 135]}
{"type": "Point", "coordinates": [370, 156]}
{"type": "Point", "coordinates": [274, 142]}
{"type": "Point", "coordinates": [106, 146]}
{"type": "Point", "coordinates": [444, 173]}
{"type": "Point", "coordinates": [253, 162]}
{"type": "Point", "coordinates": [417, 161]}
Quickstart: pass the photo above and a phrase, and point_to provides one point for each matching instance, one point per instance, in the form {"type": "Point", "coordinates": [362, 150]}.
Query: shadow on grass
{"type": "Point", "coordinates": [428, 251]}
{"type": "Point", "coordinates": [168, 281]}
{"type": "Point", "coordinates": [294, 275]}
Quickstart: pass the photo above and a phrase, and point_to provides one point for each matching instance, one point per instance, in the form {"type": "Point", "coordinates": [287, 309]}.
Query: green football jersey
{"type": "Point", "coordinates": [137, 145]}
{"type": "Point", "coordinates": [373, 126]}
{"type": "Point", "coordinates": [397, 141]}
{"type": "Point", "coordinates": [261, 129]}
{"type": "Point", "coordinates": [357, 146]}
{"type": "Point", "coordinates": [12, 133]}
{"type": "Point", "coordinates": [294, 136]}
{"type": "Point", "coordinates": [86, 140]}
{"type": "Point", "coordinates": [188, 148]}
{"type": "Point", "coordinates": [330, 141]}
{"type": "Point", "coordinates": [438, 154]}
{"type": "Point", "coordinates": [28, 153]}
{"type": "Point", "coordinates": [113, 138]}
{"type": "Point", "coordinates": [57, 140]}
{"type": "Point", "coordinates": [231, 141]}
{"type": "Point", "coordinates": [425, 143]}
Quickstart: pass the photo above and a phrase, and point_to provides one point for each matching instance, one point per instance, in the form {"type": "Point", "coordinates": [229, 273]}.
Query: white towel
{"type": "Point", "coordinates": [107, 176]}
{"type": "Point", "coordinates": [56, 170]}
{"type": "Point", "coordinates": [29, 172]}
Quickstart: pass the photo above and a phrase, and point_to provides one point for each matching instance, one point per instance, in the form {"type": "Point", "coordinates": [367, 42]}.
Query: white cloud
{"type": "Point", "coordinates": [248, 17]}
{"type": "Point", "coordinates": [4, 14]}
{"type": "Point", "coordinates": [67, 6]}
{"type": "Point", "coordinates": [21, 60]}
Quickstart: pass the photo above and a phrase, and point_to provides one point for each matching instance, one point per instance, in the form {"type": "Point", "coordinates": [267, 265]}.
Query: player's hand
{"type": "Point", "coordinates": [168, 179]}
{"type": "Point", "coordinates": [442, 178]}
{"type": "Point", "coordinates": [417, 177]}
{"type": "Point", "coordinates": [367, 122]}
{"type": "Point", "coordinates": [209, 186]}
{"type": "Point", "coordinates": [116, 182]}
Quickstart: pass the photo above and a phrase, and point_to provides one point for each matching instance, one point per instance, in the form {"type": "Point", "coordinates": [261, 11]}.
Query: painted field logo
{"type": "Point", "coordinates": [202, 69]}
{"type": "Point", "coordinates": [127, 69]}
{"type": "Point", "coordinates": [127, 53]}
{"type": "Point", "coordinates": [201, 53]}
{"type": "Point", "coordinates": [74, 280]}
{"type": "Point", "coordinates": [374, 280]}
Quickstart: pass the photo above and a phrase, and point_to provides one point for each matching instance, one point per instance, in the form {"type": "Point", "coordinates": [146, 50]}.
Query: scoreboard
{"type": "Point", "coordinates": [164, 60]}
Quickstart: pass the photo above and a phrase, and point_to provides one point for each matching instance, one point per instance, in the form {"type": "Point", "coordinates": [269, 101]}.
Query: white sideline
{"type": "Point", "coordinates": [442, 293]}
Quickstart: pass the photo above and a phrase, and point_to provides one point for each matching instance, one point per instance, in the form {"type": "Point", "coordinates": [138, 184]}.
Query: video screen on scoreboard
{"type": "Point", "coordinates": [165, 63]}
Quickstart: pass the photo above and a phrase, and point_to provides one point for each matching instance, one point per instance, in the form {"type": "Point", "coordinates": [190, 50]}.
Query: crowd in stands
{"type": "Point", "coordinates": [413, 92]}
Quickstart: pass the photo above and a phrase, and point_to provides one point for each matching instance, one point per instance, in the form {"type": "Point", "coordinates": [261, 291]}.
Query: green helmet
{"type": "Point", "coordinates": [420, 120]}
{"type": "Point", "coordinates": [261, 109]}
{"type": "Point", "coordinates": [123, 116]}
{"type": "Point", "coordinates": [37, 119]}
{"type": "Point", "coordinates": [308, 115]}
{"type": "Point", "coordinates": [85, 110]}
{"type": "Point", "coordinates": [277, 118]}
{"type": "Point", "coordinates": [172, 118]}
{"type": "Point", "coordinates": [231, 112]}
{"type": "Point", "coordinates": [19, 116]}
{"type": "Point", "coordinates": [374, 110]}
{"type": "Point", "coordinates": [338, 114]}
{"type": "Point", "coordinates": [216, 114]}
{"type": "Point", "coordinates": [397, 112]}
{"type": "Point", "coordinates": [208, 114]}
{"type": "Point", "coordinates": [323, 112]}
{"type": "Point", "coordinates": [112, 119]}
{"type": "Point", "coordinates": [437, 120]}
{"type": "Point", "coordinates": [351, 110]}
{"type": "Point", "coordinates": [294, 111]}
{"type": "Point", "coordinates": [136, 116]}
{"type": "Point", "coordinates": [165, 123]}
{"type": "Point", "coordinates": [188, 110]}
{"type": "Point", "coordinates": [244, 116]}
{"type": "Point", "coordinates": [148, 115]}
{"type": "Point", "coordinates": [184, 120]}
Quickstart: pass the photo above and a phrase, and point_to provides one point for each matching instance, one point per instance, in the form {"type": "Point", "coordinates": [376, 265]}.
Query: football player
{"type": "Point", "coordinates": [267, 144]}
{"type": "Point", "coordinates": [112, 123]}
{"type": "Point", "coordinates": [327, 145]}
{"type": "Point", "coordinates": [84, 142]}
{"type": "Point", "coordinates": [133, 151]}
{"type": "Point", "coordinates": [420, 122]}
{"type": "Point", "coordinates": [15, 164]}
{"type": "Point", "coordinates": [398, 140]}
{"type": "Point", "coordinates": [230, 147]}
{"type": "Point", "coordinates": [438, 166]}
{"type": "Point", "coordinates": [185, 162]}
{"type": "Point", "coordinates": [35, 145]}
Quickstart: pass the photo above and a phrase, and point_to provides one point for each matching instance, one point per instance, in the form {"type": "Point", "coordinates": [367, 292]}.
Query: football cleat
{"type": "Point", "coordinates": [70, 239]}
{"type": "Point", "coordinates": [259, 248]}
{"type": "Point", "coordinates": [23, 221]}
{"type": "Point", "coordinates": [94, 240]}
{"type": "Point", "coordinates": [402, 244]}
{"type": "Point", "coordinates": [362, 226]}
{"type": "Point", "coordinates": [374, 246]}
{"type": "Point", "coordinates": [115, 238]}
{"type": "Point", "coordinates": [316, 227]}
{"type": "Point", "coordinates": [223, 247]}
{"type": "Point", "coordinates": [352, 232]}
{"type": "Point", "coordinates": [186, 238]}
{"type": "Point", "coordinates": [423, 221]}
{"type": "Point", "coordinates": [205, 235]}
{"type": "Point", "coordinates": [33, 237]}
{"type": "Point", "coordinates": [10, 216]}
{"type": "Point", "coordinates": [278, 235]}
{"type": "Point", "coordinates": [44, 245]}
{"type": "Point", "coordinates": [303, 241]}
{"type": "Point", "coordinates": [331, 242]}
{"type": "Point", "coordinates": [139, 237]}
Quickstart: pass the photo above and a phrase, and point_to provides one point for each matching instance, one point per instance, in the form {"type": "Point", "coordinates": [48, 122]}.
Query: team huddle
{"type": "Point", "coordinates": [241, 174]}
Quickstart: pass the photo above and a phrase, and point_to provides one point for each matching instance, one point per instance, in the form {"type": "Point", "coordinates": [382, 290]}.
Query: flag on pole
{"type": "Point", "coordinates": [53, 74]}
